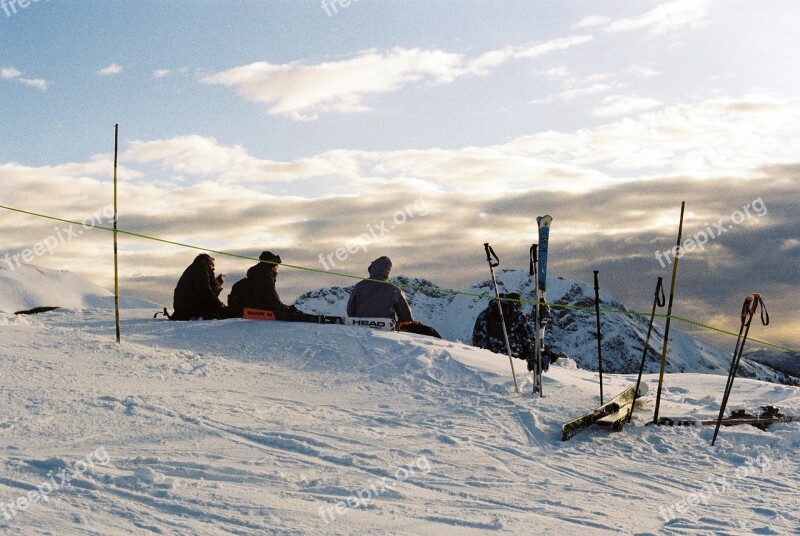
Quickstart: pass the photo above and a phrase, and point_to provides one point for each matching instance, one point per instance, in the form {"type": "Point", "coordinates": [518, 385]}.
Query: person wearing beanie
{"type": "Point", "coordinates": [258, 290]}
{"type": "Point", "coordinates": [197, 291]}
{"type": "Point", "coordinates": [374, 298]}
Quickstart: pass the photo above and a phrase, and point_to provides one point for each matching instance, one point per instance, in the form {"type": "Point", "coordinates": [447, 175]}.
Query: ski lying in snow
{"type": "Point", "coordinates": [769, 415]}
{"type": "Point", "coordinates": [382, 324]}
{"type": "Point", "coordinates": [616, 421]}
{"type": "Point", "coordinates": [569, 429]}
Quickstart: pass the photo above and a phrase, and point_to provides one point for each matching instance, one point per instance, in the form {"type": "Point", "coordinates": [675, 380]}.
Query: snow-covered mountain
{"type": "Point", "coordinates": [572, 331]}
{"type": "Point", "coordinates": [29, 286]}
{"type": "Point", "coordinates": [280, 428]}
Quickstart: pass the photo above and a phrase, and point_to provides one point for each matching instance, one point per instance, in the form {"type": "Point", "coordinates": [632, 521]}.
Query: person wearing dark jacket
{"type": "Point", "coordinates": [372, 298]}
{"type": "Point", "coordinates": [258, 290]}
{"type": "Point", "coordinates": [196, 295]}
{"type": "Point", "coordinates": [488, 331]}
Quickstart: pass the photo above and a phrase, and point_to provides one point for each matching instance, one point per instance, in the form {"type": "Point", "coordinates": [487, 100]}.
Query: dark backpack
{"type": "Point", "coordinates": [238, 298]}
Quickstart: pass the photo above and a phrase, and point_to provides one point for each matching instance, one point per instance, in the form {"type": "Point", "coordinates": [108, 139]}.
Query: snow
{"type": "Point", "coordinates": [29, 286]}
{"type": "Point", "coordinates": [248, 427]}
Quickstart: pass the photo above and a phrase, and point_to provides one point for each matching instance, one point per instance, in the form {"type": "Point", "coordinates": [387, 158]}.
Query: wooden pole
{"type": "Point", "coordinates": [116, 263]}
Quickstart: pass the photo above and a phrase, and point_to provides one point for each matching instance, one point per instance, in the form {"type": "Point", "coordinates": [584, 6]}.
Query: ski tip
{"type": "Point", "coordinates": [544, 221]}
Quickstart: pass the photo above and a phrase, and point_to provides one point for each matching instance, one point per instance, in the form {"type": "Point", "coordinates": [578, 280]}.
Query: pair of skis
{"type": "Point", "coordinates": [612, 414]}
{"type": "Point", "coordinates": [769, 415]}
{"type": "Point", "coordinates": [538, 270]}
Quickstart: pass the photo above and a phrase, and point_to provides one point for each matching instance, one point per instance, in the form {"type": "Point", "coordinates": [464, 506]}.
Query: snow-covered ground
{"type": "Point", "coordinates": [242, 427]}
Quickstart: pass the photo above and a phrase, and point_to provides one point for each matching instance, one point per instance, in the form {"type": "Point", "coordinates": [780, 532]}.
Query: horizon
{"type": "Point", "coordinates": [333, 133]}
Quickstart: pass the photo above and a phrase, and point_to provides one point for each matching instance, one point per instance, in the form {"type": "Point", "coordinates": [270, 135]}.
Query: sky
{"type": "Point", "coordinates": [418, 130]}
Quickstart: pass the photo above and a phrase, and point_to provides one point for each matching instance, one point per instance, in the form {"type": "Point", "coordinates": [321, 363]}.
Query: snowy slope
{"type": "Point", "coordinates": [31, 286]}
{"type": "Point", "coordinates": [572, 331]}
{"type": "Point", "coordinates": [238, 427]}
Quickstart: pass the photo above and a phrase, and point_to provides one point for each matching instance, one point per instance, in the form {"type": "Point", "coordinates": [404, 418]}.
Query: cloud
{"type": "Point", "coordinates": [10, 73]}
{"type": "Point", "coordinates": [161, 73]}
{"type": "Point", "coordinates": [38, 83]}
{"type": "Point", "coordinates": [111, 69]}
{"type": "Point", "coordinates": [302, 92]}
{"type": "Point", "coordinates": [706, 139]}
{"type": "Point", "coordinates": [664, 18]}
{"type": "Point", "coordinates": [620, 105]}
{"type": "Point", "coordinates": [593, 21]}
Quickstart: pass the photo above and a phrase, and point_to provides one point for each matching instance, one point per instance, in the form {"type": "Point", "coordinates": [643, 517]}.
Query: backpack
{"type": "Point", "coordinates": [238, 298]}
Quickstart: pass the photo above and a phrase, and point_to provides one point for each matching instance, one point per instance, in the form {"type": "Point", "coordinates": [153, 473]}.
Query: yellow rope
{"type": "Point", "coordinates": [403, 286]}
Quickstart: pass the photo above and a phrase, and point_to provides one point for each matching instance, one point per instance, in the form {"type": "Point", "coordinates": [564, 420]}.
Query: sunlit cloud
{"type": "Point", "coordinates": [111, 69]}
{"type": "Point", "coordinates": [664, 18]}
{"type": "Point", "coordinates": [303, 92]}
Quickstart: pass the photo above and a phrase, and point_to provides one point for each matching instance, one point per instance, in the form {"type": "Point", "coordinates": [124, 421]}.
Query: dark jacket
{"type": "Point", "coordinates": [196, 293]}
{"type": "Point", "coordinates": [488, 331]}
{"type": "Point", "coordinates": [263, 294]}
{"type": "Point", "coordinates": [373, 299]}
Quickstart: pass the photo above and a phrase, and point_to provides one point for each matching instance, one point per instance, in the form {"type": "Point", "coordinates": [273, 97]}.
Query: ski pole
{"type": "Point", "coordinates": [534, 272]}
{"type": "Point", "coordinates": [658, 301]}
{"type": "Point", "coordinates": [749, 308]}
{"type": "Point", "coordinates": [599, 340]}
{"type": "Point", "coordinates": [665, 347]}
{"type": "Point", "coordinates": [492, 265]}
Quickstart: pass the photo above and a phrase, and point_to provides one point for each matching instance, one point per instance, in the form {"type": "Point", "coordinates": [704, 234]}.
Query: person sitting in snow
{"type": "Point", "coordinates": [374, 298]}
{"type": "Point", "coordinates": [488, 331]}
{"type": "Point", "coordinates": [258, 290]}
{"type": "Point", "coordinates": [196, 295]}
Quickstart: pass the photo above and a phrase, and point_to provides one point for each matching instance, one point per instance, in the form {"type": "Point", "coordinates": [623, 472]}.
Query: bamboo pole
{"type": "Point", "coordinates": [116, 263]}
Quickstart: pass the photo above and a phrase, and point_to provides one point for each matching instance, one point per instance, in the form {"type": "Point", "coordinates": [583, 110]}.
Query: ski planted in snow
{"type": "Point", "coordinates": [540, 312]}
{"type": "Point", "coordinates": [619, 402]}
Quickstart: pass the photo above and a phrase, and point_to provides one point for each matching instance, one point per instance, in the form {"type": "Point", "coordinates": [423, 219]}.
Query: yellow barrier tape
{"type": "Point", "coordinates": [403, 286]}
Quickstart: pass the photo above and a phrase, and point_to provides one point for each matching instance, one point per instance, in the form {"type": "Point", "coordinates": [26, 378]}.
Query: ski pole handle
{"type": "Point", "coordinates": [489, 254]}
{"type": "Point", "coordinates": [748, 309]}
{"type": "Point", "coordinates": [534, 259]}
{"type": "Point", "coordinates": [597, 287]}
{"type": "Point", "coordinates": [661, 299]}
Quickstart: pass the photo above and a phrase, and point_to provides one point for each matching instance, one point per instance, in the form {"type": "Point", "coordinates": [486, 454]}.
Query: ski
{"type": "Point", "coordinates": [623, 399]}
{"type": "Point", "coordinates": [770, 415]}
{"type": "Point", "coordinates": [616, 421]}
{"type": "Point", "coordinates": [540, 314]}
{"type": "Point", "coordinates": [382, 324]}
{"type": "Point", "coordinates": [544, 238]}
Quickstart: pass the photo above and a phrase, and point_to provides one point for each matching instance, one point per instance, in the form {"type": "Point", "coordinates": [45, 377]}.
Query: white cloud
{"type": "Point", "coordinates": [578, 92]}
{"type": "Point", "coordinates": [665, 17]}
{"type": "Point", "coordinates": [34, 82]}
{"type": "Point", "coordinates": [592, 21]}
{"type": "Point", "coordinates": [487, 61]}
{"type": "Point", "coordinates": [161, 73]}
{"type": "Point", "coordinates": [302, 92]}
{"type": "Point", "coordinates": [642, 71]}
{"type": "Point", "coordinates": [111, 69]}
{"type": "Point", "coordinates": [9, 73]}
{"type": "Point", "coordinates": [619, 105]}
